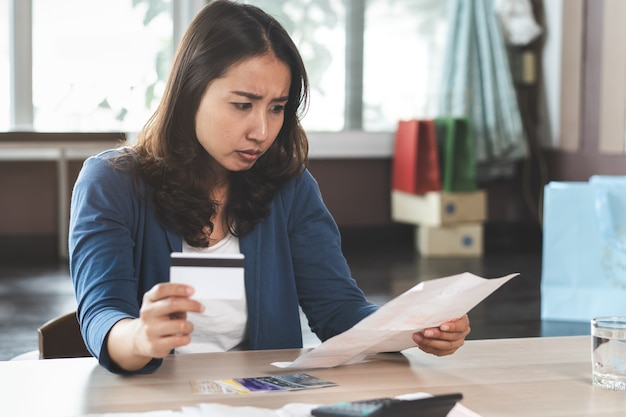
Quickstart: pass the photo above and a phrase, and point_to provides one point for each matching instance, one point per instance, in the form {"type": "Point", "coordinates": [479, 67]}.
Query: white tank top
{"type": "Point", "coordinates": [222, 326]}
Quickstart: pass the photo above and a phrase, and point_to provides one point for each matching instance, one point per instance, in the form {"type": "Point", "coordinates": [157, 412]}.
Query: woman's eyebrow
{"type": "Point", "coordinates": [253, 96]}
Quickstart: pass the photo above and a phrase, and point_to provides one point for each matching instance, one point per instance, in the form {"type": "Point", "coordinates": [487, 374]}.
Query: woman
{"type": "Point", "coordinates": [220, 167]}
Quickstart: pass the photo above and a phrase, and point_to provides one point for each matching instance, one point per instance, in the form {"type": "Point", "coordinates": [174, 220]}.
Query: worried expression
{"type": "Point", "coordinates": [241, 113]}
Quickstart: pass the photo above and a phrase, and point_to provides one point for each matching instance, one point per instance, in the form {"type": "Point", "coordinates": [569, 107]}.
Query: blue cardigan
{"type": "Point", "coordinates": [119, 250]}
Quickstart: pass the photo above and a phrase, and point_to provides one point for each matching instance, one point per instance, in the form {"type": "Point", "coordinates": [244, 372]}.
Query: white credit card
{"type": "Point", "coordinates": [213, 276]}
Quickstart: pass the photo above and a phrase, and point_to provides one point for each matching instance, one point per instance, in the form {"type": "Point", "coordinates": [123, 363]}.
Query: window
{"type": "Point", "coordinates": [103, 68]}
{"type": "Point", "coordinates": [99, 67]}
{"type": "Point", "coordinates": [403, 45]}
{"type": "Point", "coordinates": [391, 68]}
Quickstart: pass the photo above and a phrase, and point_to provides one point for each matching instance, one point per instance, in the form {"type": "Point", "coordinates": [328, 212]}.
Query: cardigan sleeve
{"type": "Point", "coordinates": [328, 294]}
{"type": "Point", "coordinates": [103, 222]}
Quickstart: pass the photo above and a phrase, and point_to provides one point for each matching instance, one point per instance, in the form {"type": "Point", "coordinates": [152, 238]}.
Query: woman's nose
{"type": "Point", "coordinates": [259, 126]}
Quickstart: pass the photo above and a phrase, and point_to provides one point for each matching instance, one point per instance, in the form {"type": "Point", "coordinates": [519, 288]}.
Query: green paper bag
{"type": "Point", "coordinates": [456, 154]}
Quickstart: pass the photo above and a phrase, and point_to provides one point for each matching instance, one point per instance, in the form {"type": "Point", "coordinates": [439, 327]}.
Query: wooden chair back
{"type": "Point", "coordinates": [61, 338]}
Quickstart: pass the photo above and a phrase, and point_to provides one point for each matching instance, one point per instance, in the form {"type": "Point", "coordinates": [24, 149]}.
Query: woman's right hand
{"type": "Point", "coordinates": [162, 326]}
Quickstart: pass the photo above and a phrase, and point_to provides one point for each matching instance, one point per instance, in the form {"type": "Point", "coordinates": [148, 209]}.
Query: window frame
{"type": "Point", "coordinates": [21, 65]}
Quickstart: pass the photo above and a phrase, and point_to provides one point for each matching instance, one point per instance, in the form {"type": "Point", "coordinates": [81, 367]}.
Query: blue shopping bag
{"type": "Point", "coordinates": [584, 249]}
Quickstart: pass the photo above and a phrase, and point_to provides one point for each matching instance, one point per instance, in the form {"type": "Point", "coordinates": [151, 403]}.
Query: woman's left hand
{"type": "Point", "coordinates": [445, 339]}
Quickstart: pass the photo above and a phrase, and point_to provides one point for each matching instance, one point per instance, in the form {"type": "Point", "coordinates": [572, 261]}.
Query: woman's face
{"type": "Point", "coordinates": [241, 113]}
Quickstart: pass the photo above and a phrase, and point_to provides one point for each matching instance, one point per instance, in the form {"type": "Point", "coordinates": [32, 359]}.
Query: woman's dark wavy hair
{"type": "Point", "coordinates": [169, 156]}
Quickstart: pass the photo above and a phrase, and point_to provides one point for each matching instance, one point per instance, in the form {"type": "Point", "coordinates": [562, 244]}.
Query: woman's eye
{"type": "Point", "coordinates": [243, 106]}
{"type": "Point", "coordinates": [277, 108]}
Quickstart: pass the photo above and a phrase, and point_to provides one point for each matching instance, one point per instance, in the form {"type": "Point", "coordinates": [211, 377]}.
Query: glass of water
{"type": "Point", "coordinates": [608, 352]}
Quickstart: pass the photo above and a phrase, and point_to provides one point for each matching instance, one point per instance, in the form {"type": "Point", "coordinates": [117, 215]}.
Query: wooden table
{"type": "Point", "coordinates": [505, 377]}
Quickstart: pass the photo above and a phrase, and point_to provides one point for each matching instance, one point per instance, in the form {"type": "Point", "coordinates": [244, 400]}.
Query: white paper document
{"type": "Point", "coordinates": [214, 277]}
{"type": "Point", "coordinates": [390, 329]}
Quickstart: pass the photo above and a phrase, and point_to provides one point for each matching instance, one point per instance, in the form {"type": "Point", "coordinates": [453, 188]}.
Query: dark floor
{"type": "Point", "coordinates": [32, 294]}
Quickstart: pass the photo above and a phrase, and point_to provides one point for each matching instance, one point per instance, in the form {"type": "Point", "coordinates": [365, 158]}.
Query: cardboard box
{"type": "Point", "coordinates": [465, 239]}
{"type": "Point", "coordinates": [438, 208]}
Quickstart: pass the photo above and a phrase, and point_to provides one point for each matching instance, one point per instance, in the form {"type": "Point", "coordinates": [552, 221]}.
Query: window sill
{"type": "Point", "coordinates": [351, 145]}
{"type": "Point", "coordinates": [322, 145]}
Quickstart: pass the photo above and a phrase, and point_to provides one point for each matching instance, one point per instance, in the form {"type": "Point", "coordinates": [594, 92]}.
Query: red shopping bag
{"type": "Point", "coordinates": [415, 165]}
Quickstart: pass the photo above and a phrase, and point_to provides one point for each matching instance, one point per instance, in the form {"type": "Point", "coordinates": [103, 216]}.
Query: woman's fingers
{"type": "Point", "coordinates": [167, 299]}
{"type": "Point", "coordinates": [160, 347]}
{"type": "Point", "coordinates": [163, 318]}
{"type": "Point", "coordinates": [445, 339]}
{"type": "Point", "coordinates": [168, 289]}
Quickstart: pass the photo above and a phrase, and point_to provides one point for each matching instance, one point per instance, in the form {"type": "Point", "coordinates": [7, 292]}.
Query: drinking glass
{"type": "Point", "coordinates": [608, 352]}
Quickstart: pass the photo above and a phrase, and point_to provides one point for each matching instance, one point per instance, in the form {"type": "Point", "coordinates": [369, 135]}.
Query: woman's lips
{"type": "Point", "coordinates": [249, 156]}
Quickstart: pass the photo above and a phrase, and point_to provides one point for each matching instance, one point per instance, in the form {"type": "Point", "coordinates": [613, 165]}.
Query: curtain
{"type": "Point", "coordinates": [477, 83]}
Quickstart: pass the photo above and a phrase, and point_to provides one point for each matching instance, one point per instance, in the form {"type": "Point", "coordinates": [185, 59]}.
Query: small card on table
{"type": "Point", "coordinates": [286, 382]}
